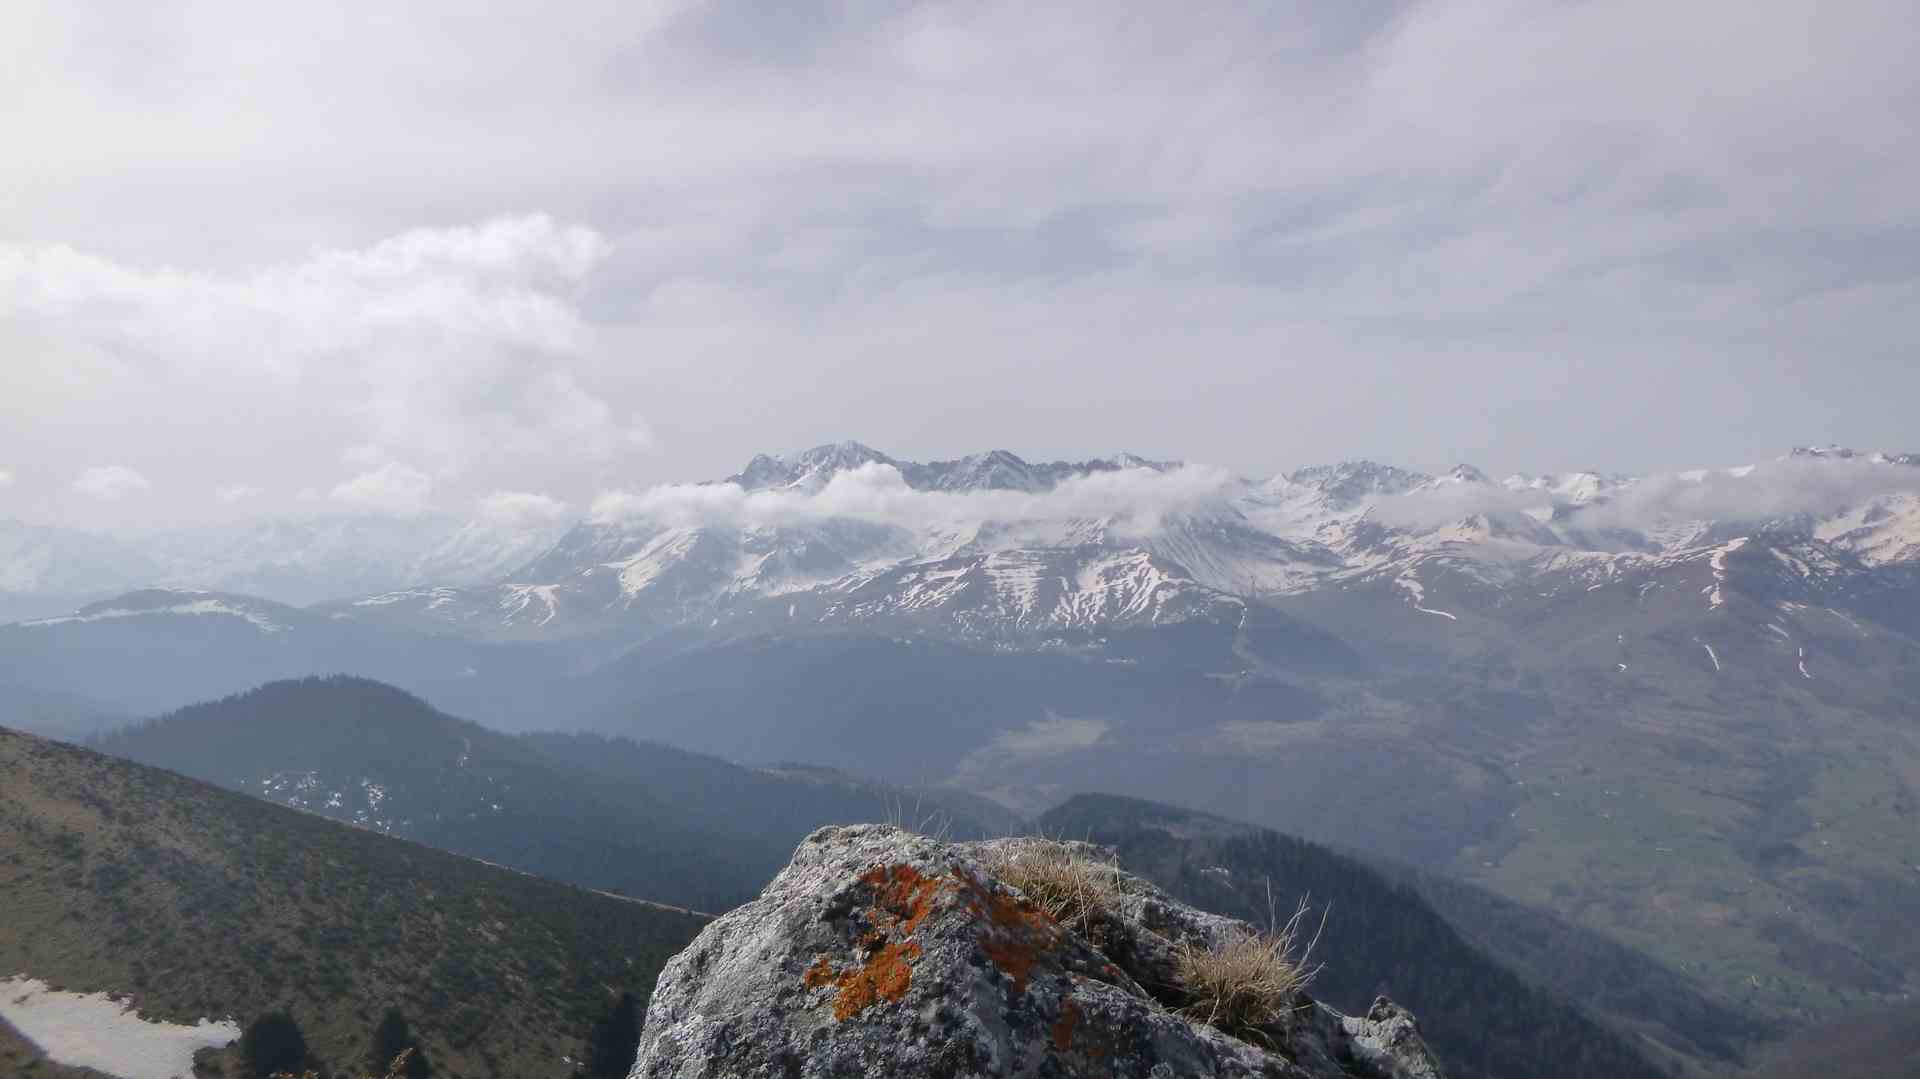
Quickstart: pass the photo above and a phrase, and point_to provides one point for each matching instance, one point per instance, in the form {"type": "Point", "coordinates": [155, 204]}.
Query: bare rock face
{"type": "Point", "coordinates": [878, 952]}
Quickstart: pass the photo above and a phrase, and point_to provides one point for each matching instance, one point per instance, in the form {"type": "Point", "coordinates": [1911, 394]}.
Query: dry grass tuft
{"type": "Point", "coordinates": [1247, 984]}
{"type": "Point", "coordinates": [934, 823]}
{"type": "Point", "coordinates": [1061, 880]}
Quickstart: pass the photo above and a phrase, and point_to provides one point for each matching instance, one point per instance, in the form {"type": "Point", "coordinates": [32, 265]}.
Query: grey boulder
{"type": "Point", "coordinates": [878, 952]}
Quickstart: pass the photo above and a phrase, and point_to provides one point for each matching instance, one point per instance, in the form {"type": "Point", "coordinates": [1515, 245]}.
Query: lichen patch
{"type": "Point", "coordinates": [901, 898]}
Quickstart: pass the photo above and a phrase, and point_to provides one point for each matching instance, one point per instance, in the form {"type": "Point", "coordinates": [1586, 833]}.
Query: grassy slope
{"type": "Point", "coordinates": [195, 901]}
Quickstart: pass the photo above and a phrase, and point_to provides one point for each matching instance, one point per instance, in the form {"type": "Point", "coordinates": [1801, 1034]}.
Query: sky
{"type": "Point", "coordinates": [391, 258]}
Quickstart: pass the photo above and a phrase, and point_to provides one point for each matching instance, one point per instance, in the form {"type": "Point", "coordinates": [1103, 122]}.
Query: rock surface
{"type": "Point", "coordinates": [878, 952]}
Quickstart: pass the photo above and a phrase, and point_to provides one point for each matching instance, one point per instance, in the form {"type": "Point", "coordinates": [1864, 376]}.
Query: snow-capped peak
{"type": "Point", "coordinates": [1835, 452]}
{"type": "Point", "coordinates": [1348, 483]}
{"type": "Point", "coordinates": [808, 470]}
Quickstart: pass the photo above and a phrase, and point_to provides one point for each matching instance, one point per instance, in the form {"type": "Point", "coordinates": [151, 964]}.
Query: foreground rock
{"type": "Point", "coordinates": [881, 953]}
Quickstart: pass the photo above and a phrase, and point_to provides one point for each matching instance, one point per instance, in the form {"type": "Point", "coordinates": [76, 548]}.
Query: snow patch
{"type": "Point", "coordinates": [1411, 585]}
{"type": "Point", "coordinates": [1054, 734]}
{"type": "Point", "coordinates": [193, 607]}
{"type": "Point", "coordinates": [1717, 562]}
{"type": "Point", "coordinates": [91, 1030]}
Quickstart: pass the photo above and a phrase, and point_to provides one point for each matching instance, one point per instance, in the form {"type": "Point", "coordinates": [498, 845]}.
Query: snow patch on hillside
{"type": "Point", "coordinates": [92, 1030]}
{"type": "Point", "coordinates": [192, 607]}
{"type": "Point", "coordinates": [1411, 585]}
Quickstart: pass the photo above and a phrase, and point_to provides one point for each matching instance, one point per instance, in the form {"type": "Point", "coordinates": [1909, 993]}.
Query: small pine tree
{"type": "Point", "coordinates": [616, 1040]}
{"type": "Point", "coordinates": [272, 1044]}
{"type": "Point", "coordinates": [393, 1037]}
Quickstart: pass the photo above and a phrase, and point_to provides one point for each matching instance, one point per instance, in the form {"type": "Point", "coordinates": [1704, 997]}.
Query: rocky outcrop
{"type": "Point", "coordinates": [878, 952]}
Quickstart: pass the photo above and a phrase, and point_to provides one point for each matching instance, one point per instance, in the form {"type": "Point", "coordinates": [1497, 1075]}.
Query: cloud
{"type": "Point", "coordinates": [458, 349]}
{"type": "Point", "coordinates": [521, 508]}
{"type": "Point", "coordinates": [1131, 500]}
{"type": "Point", "coordinates": [391, 488]}
{"type": "Point", "coordinates": [1529, 232]}
{"type": "Point", "coordinates": [231, 493]}
{"type": "Point", "coordinates": [1775, 489]}
{"type": "Point", "coordinates": [111, 483]}
{"type": "Point", "coordinates": [1772, 490]}
{"type": "Point", "coordinates": [1441, 504]}
{"type": "Point", "coordinates": [6, 478]}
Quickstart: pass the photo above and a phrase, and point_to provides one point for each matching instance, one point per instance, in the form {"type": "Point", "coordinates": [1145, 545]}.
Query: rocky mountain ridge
{"type": "Point", "coordinates": [1056, 570]}
{"type": "Point", "coordinates": [1012, 555]}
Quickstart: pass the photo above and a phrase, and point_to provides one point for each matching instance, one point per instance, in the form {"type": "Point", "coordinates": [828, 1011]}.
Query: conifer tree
{"type": "Point", "coordinates": [272, 1044]}
{"type": "Point", "coordinates": [615, 1041]}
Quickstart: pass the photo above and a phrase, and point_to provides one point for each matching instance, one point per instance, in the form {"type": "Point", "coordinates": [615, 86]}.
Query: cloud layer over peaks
{"type": "Point", "coordinates": [1768, 491]}
{"type": "Point", "coordinates": [1128, 500]}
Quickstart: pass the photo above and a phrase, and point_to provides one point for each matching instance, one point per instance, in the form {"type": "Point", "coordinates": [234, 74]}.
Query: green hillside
{"type": "Point", "coordinates": [369, 754]}
{"type": "Point", "coordinates": [609, 813]}
{"type": "Point", "coordinates": [194, 901]}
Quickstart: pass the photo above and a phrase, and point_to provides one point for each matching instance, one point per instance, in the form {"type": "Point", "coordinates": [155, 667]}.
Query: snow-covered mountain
{"type": "Point", "coordinates": [993, 548]}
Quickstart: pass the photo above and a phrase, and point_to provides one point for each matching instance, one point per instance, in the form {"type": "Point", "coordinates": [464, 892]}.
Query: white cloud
{"type": "Point", "coordinates": [1768, 491]}
{"type": "Point", "coordinates": [1775, 489]}
{"type": "Point", "coordinates": [521, 508]}
{"type": "Point", "coordinates": [232, 493]}
{"type": "Point", "coordinates": [392, 488]}
{"type": "Point", "coordinates": [458, 350]}
{"type": "Point", "coordinates": [111, 483]}
{"type": "Point", "coordinates": [1537, 234]}
{"type": "Point", "coordinates": [6, 478]}
{"type": "Point", "coordinates": [1133, 499]}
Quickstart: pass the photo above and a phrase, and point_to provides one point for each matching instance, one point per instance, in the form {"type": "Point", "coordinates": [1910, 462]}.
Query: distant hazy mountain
{"type": "Point", "coordinates": [644, 819]}
{"type": "Point", "coordinates": [187, 901]}
{"type": "Point", "coordinates": [158, 649]}
{"type": "Point", "coordinates": [294, 560]}
{"type": "Point", "coordinates": [369, 754]}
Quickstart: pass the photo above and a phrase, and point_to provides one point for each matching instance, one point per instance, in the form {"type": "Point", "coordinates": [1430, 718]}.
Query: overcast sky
{"type": "Point", "coordinates": [268, 257]}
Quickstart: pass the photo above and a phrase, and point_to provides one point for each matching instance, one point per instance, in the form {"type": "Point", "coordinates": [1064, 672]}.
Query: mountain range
{"type": "Point", "coordinates": [1060, 562]}
{"type": "Point", "coordinates": [1675, 710]}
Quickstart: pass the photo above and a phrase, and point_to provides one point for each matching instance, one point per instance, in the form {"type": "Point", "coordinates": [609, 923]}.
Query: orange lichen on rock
{"type": "Point", "coordinates": [903, 892]}
{"type": "Point", "coordinates": [1016, 935]}
{"type": "Point", "coordinates": [817, 975]}
{"type": "Point", "coordinates": [886, 976]}
{"type": "Point", "coordinates": [903, 898]}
